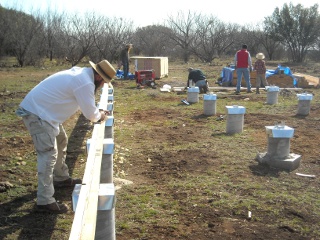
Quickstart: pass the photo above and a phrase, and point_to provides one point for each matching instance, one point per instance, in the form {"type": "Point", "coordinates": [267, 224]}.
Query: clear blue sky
{"type": "Point", "coordinates": [143, 12]}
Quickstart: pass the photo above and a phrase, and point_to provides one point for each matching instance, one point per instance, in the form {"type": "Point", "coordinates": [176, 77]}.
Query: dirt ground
{"type": "Point", "coordinates": [196, 222]}
{"type": "Point", "coordinates": [167, 165]}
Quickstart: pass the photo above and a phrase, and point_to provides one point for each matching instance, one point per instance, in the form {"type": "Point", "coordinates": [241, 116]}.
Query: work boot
{"type": "Point", "coordinates": [70, 182]}
{"type": "Point", "coordinates": [54, 207]}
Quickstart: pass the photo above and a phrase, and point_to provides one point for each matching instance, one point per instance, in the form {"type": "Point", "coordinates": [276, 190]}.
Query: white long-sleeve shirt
{"type": "Point", "coordinates": [59, 96]}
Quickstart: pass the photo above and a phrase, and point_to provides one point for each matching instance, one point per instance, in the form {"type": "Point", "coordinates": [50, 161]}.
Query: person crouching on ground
{"type": "Point", "coordinates": [199, 79]}
{"type": "Point", "coordinates": [260, 67]}
{"type": "Point", "coordinates": [45, 108]}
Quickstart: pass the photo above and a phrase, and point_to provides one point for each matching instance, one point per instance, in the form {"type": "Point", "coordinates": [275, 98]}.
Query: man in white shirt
{"type": "Point", "coordinates": [43, 111]}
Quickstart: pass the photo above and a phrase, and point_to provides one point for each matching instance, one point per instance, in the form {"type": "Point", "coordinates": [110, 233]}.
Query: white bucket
{"type": "Point", "coordinates": [193, 95]}
{"type": "Point", "coordinates": [235, 119]}
{"type": "Point", "coordinates": [304, 104]}
{"type": "Point", "coordinates": [272, 95]}
{"type": "Point", "coordinates": [209, 104]}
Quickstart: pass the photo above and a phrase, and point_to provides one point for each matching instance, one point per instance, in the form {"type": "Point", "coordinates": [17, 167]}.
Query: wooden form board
{"type": "Point", "coordinates": [84, 223]}
{"type": "Point", "coordinates": [158, 64]}
{"type": "Point", "coordinates": [253, 76]}
{"type": "Point", "coordinates": [306, 81]}
{"type": "Point", "coordinates": [282, 80]}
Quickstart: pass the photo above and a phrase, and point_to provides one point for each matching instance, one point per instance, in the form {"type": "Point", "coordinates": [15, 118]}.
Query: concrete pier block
{"type": "Point", "coordinates": [209, 104]}
{"type": "Point", "coordinates": [272, 95]}
{"type": "Point", "coordinates": [193, 95]}
{"type": "Point", "coordinates": [304, 104]}
{"type": "Point", "coordinates": [278, 155]}
{"type": "Point", "coordinates": [278, 147]}
{"type": "Point", "coordinates": [279, 141]}
{"type": "Point", "coordinates": [290, 163]}
{"type": "Point", "coordinates": [235, 119]}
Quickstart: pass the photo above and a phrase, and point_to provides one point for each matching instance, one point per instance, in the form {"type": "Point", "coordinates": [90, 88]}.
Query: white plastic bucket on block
{"type": "Point", "coordinates": [280, 131]}
{"type": "Point", "coordinates": [279, 141]}
{"type": "Point", "coordinates": [209, 104]}
{"type": "Point", "coordinates": [235, 119]}
{"type": "Point", "coordinates": [304, 103]}
{"type": "Point", "coordinates": [272, 94]}
{"type": "Point", "coordinates": [193, 94]}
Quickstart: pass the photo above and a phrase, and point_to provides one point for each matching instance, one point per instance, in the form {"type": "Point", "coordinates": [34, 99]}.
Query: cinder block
{"type": "Point", "coordinates": [291, 163]}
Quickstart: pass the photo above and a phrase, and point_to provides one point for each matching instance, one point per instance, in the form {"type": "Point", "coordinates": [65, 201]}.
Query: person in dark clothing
{"type": "Point", "coordinates": [125, 57]}
{"type": "Point", "coordinates": [199, 79]}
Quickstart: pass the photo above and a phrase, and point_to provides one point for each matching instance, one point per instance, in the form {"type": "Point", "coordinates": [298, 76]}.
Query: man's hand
{"type": "Point", "coordinates": [104, 115]}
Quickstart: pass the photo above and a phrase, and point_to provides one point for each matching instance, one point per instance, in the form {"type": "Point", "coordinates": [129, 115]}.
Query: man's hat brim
{"type": "Point", "coordinates": [104, 69]}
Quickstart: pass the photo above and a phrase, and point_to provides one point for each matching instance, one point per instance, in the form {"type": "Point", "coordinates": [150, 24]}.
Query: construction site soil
{"type": "Point", "coordinates": [18, 221]}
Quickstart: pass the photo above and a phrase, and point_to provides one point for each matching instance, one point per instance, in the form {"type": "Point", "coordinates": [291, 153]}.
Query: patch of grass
{"type": "Point", "coordinates": [168, 196]}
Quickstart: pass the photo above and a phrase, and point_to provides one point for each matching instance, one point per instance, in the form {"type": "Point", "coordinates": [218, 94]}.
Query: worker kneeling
{"type": "Point", "coordinates": [197, 77]}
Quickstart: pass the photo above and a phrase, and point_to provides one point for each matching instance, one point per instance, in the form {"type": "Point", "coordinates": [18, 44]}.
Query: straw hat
{"type": "Point", "coordinates": [104, 69]}
{"type": "Point", "coordinates": [260, 56]}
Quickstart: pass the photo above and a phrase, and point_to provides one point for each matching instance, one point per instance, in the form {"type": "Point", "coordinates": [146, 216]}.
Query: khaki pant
{"type": "Point", "coordinates": [261, 78]}
{"type": "Point", "coordinates": [51, 148]}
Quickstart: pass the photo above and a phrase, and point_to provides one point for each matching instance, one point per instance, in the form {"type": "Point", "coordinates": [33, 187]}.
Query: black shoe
{"type": "Point", "coordinates": [237, 92]}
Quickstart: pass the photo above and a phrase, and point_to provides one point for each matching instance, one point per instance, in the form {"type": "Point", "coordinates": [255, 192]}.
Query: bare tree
{"type": "Point", "coordinates": [4, 28]}
{"type": "Point", "coordinates": [153, 40]}
{"type": "Point", "coordinates": [53, 23]}
{"type": "Point", "coordinates": [266, 43]}
{"type": "Point", "coordinates": [78, 36]}
{"type": "Point", "coordinates": [212, 38]}
{"type": "Point", "coordinates": [183, 28]}
{"type": "Point", "coordinates": [315, 51]}
{"type": "Point", "coordinates": [110, 37]}
{"type": "Point", "coordinates": [23, 31]}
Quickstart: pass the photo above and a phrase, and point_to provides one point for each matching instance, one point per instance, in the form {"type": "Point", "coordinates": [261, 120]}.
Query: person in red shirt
{"type": "Point", "coordinates": [243, 65]}
{"type": "Point", "coordinates": [260, 67]}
